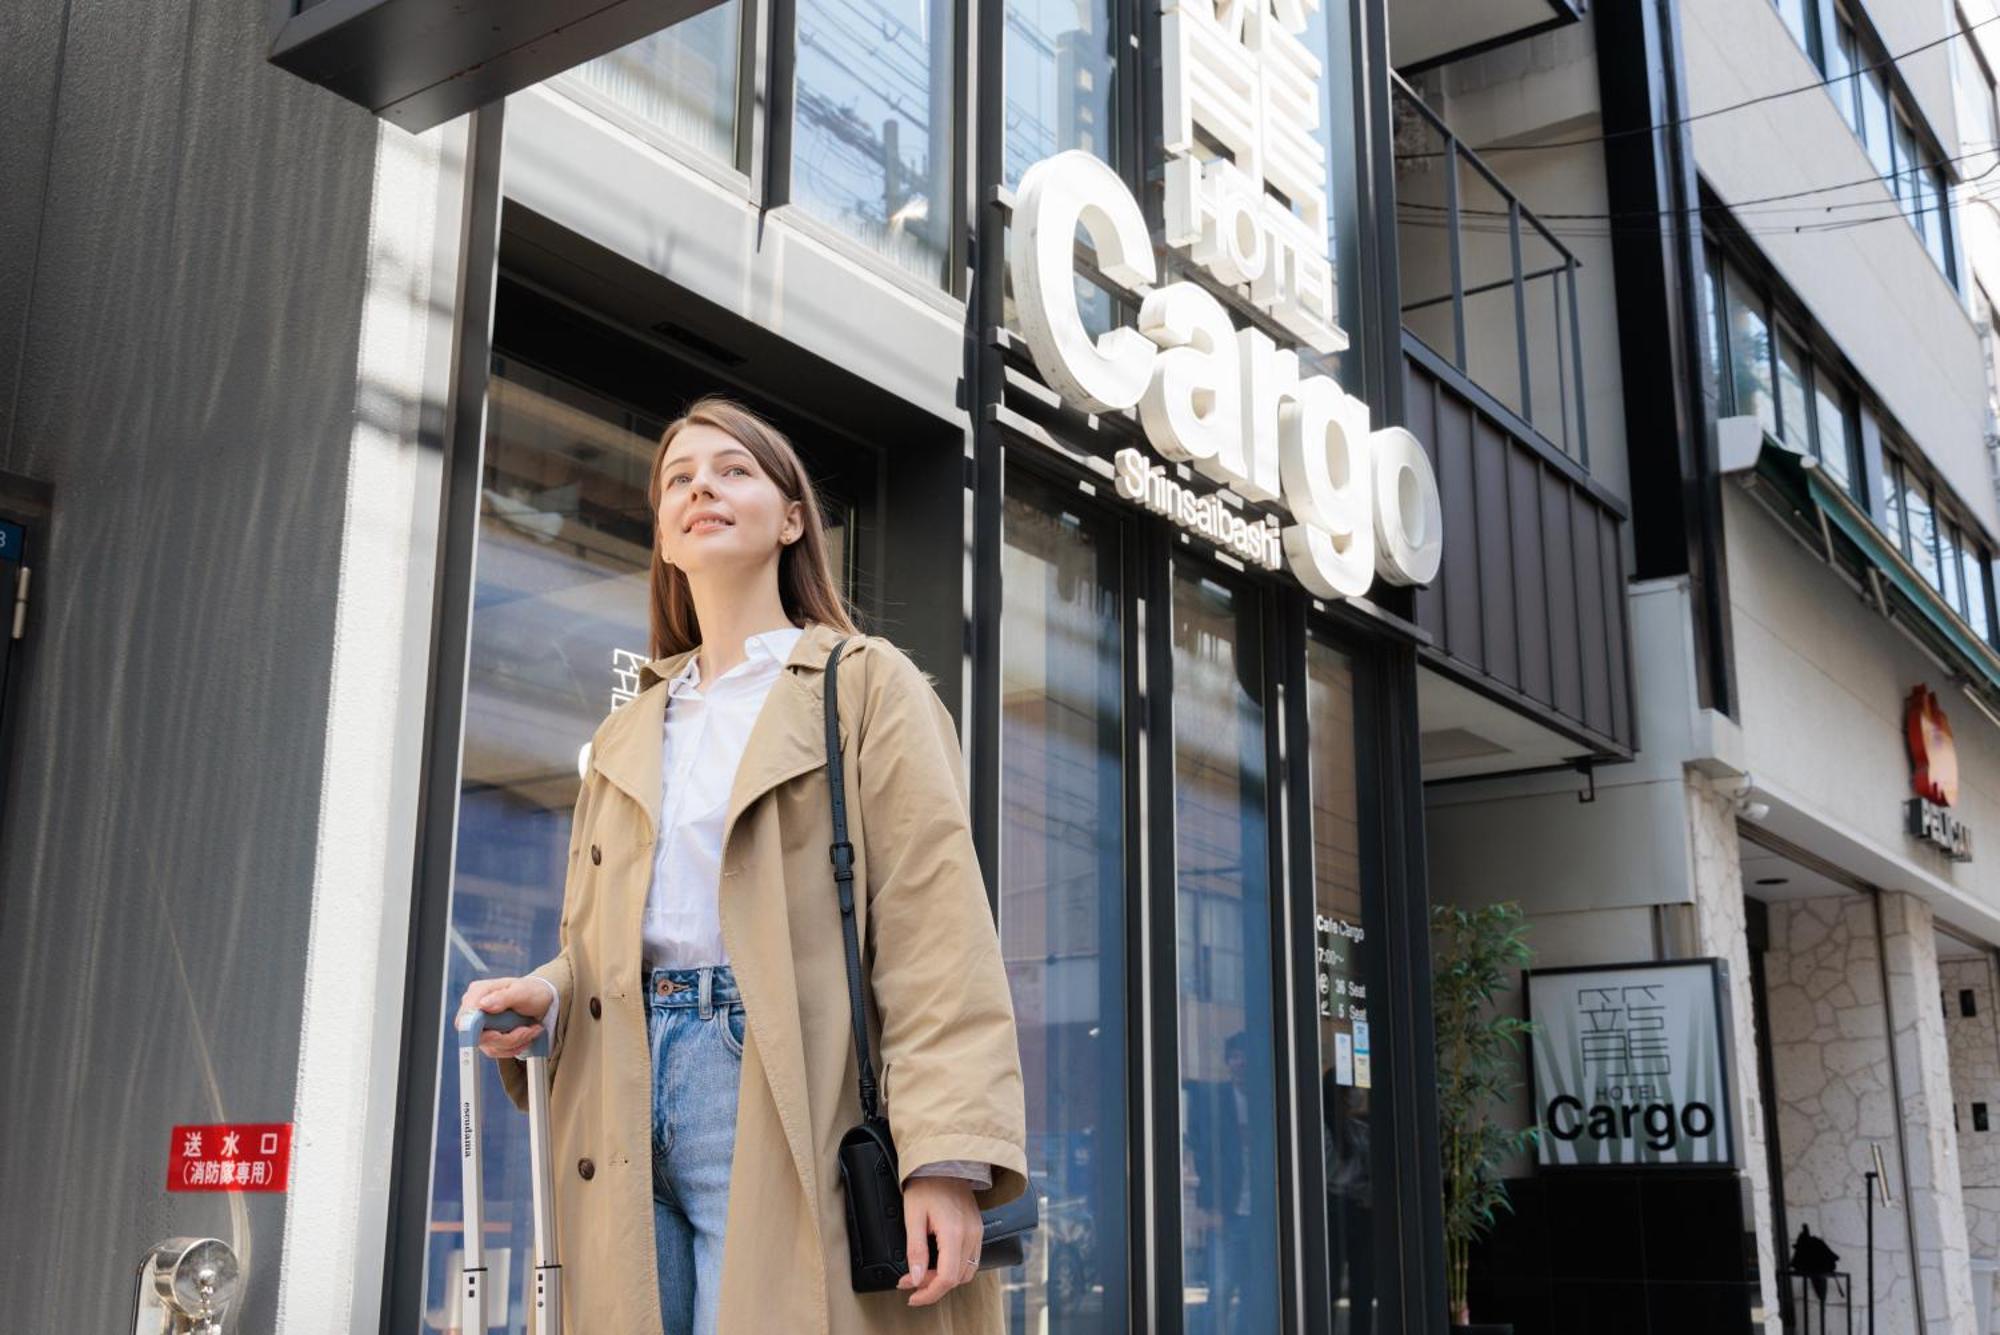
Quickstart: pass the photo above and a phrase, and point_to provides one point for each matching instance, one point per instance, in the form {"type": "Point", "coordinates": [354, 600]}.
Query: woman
{"type": "Point", "coordinates": [703, 1061]}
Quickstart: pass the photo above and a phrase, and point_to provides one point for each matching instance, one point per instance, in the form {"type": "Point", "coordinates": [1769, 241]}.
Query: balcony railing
{"type": "Point", "coordinates": [1486, 284]}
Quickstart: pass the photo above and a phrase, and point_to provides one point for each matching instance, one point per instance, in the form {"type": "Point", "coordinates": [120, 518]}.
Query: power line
{"type": "Point", "coordinates": [1584, 141]}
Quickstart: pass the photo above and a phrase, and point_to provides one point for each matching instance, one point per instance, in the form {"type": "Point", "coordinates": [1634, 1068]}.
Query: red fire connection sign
{"type": "Point", "coordinates": [234, 1156]}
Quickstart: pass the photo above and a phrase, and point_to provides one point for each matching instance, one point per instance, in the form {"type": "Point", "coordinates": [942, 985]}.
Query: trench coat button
{"type": "Point", "coordinates": [596, 1009]}
{"type": "Point", "coordinates": [596, 855]}
{"type": "Point", "coordinates": [585, 1169]}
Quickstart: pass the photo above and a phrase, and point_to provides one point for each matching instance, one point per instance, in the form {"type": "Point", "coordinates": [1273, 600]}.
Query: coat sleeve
{"type": "Point", "coordinates": [557, 972]}
{"type": "Point", "coordinates": [951, 1061]}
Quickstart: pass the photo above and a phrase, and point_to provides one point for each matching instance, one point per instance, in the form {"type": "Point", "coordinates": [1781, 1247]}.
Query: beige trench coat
{"type": "Point", "coordinates": [946, 1046]}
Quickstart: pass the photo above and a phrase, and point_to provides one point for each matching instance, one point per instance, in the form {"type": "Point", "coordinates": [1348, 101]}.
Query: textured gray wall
{"type": "Point", "coordinates": [183, 231]}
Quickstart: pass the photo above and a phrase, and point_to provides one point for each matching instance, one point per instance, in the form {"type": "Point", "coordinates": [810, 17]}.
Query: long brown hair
{"type": "Point", "coordinates": [806, 585]}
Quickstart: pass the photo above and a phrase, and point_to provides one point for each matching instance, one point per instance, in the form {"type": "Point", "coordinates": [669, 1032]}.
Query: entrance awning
{"type": "Point", "coordinates": [1835, 524]}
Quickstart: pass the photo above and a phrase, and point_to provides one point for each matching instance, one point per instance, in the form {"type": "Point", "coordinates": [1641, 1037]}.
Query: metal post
{"type": "Point", "coordinates": [1520, 309]}
{"type": "Point", "coordinates": [1576, 358]}
{"type": "Point", "coordinates": [1452, 244]}
{"type": "Point", "coordinates": [1869, 1185]}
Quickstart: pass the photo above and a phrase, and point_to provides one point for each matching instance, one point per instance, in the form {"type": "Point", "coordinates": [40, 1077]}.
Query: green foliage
{"type": "Point", "coordinates": [1475, 956]}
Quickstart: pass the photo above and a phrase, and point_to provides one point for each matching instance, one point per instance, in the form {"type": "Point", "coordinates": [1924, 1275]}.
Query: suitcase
{"type": "Point", "coordinates": [548, 1270]}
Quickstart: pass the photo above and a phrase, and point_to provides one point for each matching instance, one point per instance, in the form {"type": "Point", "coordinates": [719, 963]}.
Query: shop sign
{"type": "Point", "coordinates": [1228, 403]}
{"type": "Point", "coordinates": [1343, 999]}
{"type": "Point", "coordinates": [1628, 1065]}
{"type": "Point", "coordinates": [1933, 777]}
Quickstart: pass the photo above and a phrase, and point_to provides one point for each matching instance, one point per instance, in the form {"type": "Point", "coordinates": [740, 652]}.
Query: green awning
{"type": "Point", "coordinates": [1839, 520]}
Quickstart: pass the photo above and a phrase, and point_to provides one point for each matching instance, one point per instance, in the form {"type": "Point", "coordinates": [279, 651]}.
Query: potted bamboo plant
{"type": "Point", "coordinates": [1475, 956]}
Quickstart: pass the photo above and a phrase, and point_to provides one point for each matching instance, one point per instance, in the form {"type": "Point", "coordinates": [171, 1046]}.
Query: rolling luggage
{"type": "Point", "coordinates": [548, 1270]}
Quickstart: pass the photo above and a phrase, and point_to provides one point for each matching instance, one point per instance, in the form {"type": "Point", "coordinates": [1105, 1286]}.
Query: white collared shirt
{"type": "Point", "coordinates": [707, 731]}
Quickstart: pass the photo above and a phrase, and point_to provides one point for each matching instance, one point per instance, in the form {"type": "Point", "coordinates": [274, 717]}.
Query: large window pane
{"type": "Point", "coordinates": [1836, 431]}
{"type": "Point", "coordinates": [1840, 65]}
{"type": "Point", "coordinates": [1060, 70]}
{"type": "Point", "coordinates": [1223, 976]}
{"type": "Point", "coordinates": [1062, 896]}
{"type": "Point", "coordinates": [1750, 353]}
{"type": "Point", "coordinates": [1714, 345]}
{"type": "Point", "coordinates": [1798, 16]}
{"type": "Point", "coordinates": [1347, 952]}
{"type": "Point", "coordinates": [1937, 203]}
{"type": "Point", "coordinates": [1923, 528]}
{"type": "Point", "coordinates": [1891, 512]}
{"type": "Point", "coordinates": [1949, 544]}
{"type": "Point", "coordinates": [1909, 173]}
{"type": "Point", "coordinates": [1977, 614]}
{"type": "Point", "coordinates": [1795, 429]}
{"type": "Point", "coordinates": [871, 139]}
{"type": "Point", "coordinates": [680, 81]}
{"type": "Point", "coordinates": [558, 626]}
{"type": "Point", "coordinates": [1874, 94]}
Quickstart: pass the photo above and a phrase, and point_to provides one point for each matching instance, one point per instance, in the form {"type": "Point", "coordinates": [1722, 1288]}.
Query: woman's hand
{"type": "Point", "coordinates": [530, 996]}
{"type": "Point", "coordinates": [940, 1207]}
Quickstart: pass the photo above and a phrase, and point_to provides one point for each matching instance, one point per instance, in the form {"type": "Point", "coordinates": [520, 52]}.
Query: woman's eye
{"type": "Point", "coordinates": [738, 470]}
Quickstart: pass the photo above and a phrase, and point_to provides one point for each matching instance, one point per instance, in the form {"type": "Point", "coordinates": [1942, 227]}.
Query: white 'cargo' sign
{"type": "Point", "coordinates": [1629, 1065]}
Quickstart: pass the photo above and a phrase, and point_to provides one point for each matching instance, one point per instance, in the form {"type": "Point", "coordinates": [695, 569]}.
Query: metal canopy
{"type": "Point", "coordinates": [418, 63]}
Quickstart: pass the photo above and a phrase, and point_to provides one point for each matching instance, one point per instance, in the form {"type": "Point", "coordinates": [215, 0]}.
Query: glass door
{"type": "Point", "coordinates": [1223, 958]}
{"type": "Point", "coordinates": [559, 633]}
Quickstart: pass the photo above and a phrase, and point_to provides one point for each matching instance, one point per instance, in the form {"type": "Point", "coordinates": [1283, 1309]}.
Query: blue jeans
{"type": "Point", "coordinates": [694, 1021]}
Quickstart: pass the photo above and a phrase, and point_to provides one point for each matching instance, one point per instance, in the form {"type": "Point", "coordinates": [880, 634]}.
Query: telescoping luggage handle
{"type": "Point", "coordinates": [548, 1270]}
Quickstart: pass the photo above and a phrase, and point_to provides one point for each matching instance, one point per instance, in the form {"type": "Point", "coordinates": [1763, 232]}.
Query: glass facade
{"type": "Point", "coordinates": [1347, 938]}
{"type": "Point", "coordinates": [679, 83]}
{"type": "Point", "coordinates": [1063, 920]}
{"type": "Point", "coordinates": [872, 128]}
{"type": "Point", "coordinates": [1749, 334]}
{"type": "Point", "coordinates": [1229, 1174]}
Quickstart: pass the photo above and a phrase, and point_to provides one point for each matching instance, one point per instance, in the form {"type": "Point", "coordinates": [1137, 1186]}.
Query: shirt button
{"type": "Point", "coordinates": [596, 855]}
{"type": "Point", "coordinates": [596, 1009]}
{"type": "Point", "coordinates": [585, 1169]}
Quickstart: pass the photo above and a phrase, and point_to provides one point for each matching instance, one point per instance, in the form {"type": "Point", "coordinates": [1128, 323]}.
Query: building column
{"type": "Point", "coordinates": [1717, 882]}
{"type": "Point", "coordinates": [1929, 1142]}
{"type": "Point", "coordinates": [1972, 1031]}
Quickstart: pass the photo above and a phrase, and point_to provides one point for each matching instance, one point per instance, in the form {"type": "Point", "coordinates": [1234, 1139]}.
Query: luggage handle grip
{"type": "Point", "coordinates": [473, 1023]}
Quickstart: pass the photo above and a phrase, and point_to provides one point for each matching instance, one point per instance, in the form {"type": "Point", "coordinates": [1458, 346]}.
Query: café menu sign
{"type": "Point", "coordinates": [1628, 1065]}
{"type": "Point", "coordinates": [1229, 404]}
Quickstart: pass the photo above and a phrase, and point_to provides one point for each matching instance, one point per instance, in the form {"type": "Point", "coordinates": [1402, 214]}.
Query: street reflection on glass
{"type": "Point", "coordinates": [1345, 953]}
{"type": "Point", "coordinates": [1229, 1239]}
{"type": "Point", "coordinates": [560, 604]}
{"type": "Point", "coordinates": [871, 133]}
{"type": "Point", "coordinates": [1062, 922]}
{"type": "Point", "coordinates": [680, 81]}
{"type": "Point", "coordinates": [1060, 70]}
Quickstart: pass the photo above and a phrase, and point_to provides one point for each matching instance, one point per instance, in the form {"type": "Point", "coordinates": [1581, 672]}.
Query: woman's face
{"type": "Point", "coordinates": [719, 509]}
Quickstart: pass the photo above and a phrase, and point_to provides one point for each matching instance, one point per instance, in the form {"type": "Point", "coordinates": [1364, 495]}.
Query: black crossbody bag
{"type": "Point", "coordinates": [875, 1237]}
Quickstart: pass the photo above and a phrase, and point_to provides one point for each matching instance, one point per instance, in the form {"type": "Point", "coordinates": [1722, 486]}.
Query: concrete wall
{"type": "Point", "coordinates": [1824, 679]}
{"type": "Point", "coordinates": [202, 263]}
{"type": "Point", "coordinates": [1835, 1092]}
{"type": "Point", "coordinates": [1875, 290]}
{"type": "Point", "coordinates": [1974, 1043]}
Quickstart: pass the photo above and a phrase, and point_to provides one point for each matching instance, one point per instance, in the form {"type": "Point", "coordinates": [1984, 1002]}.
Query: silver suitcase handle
{"type": "Point", "coordinates": [548, 1270]}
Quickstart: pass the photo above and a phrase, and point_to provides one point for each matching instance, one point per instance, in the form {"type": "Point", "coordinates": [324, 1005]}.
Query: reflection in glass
{"type": "Point", "coordinates": [559, 619]}
{"type": "Point", "coordinates": [1949, 543]}
{"type": "Point", "coordinates": [871, 136]}
{"type": "Point", "coordinates": [1060, 71]}
{"type": "Point", "coordinates": [1892, 504]}
{"type": "Point", "coordinates": [1062, 895]}
{"type": "Point", "coordinates": [1975, 588]}
{"type": "Point", "coordinates": [1875, 119]}
{"type": "Point", "coordinates": [559, 632]}
{"type": "Point", "coordinates": [1229, 1240]}
{"type": "Point", "coordinates": [1348, 952]}
{"type": "Point", "coordinates": [1792, 396]}
{"type": "Point", "coordinates": [1836, 439]}
{"type": "Point", "coordinates": [1923, 530]}
{"type": "Point", "coordinates": [1750, 352]}
{"type": "Point", "coordinates": [680, 81]}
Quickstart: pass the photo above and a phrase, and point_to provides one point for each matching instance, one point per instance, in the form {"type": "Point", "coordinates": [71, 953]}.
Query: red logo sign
{"type": "Point", "coordinates": [1933, 754]}
{"type": "Point", "coordinates": [234, 1156]}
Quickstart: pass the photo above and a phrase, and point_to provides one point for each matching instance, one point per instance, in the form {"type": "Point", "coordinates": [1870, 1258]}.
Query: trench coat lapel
{"type": "Point", "coordinates": [627, 748]}
{"type": "Point", "coordinates": [789, 737]}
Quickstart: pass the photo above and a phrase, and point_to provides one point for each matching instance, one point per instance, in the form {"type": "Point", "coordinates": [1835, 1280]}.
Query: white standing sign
{"type": "Point", "coordinates": [1629, 1065]}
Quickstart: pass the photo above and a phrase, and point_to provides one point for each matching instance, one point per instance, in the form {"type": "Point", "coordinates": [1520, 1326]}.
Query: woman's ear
{"type": "Point", "coordinates": [795, 525]}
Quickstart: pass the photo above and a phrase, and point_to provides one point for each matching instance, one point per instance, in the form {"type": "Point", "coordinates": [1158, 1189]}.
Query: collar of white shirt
{"type": "Point", "coordinates": [762, 653]}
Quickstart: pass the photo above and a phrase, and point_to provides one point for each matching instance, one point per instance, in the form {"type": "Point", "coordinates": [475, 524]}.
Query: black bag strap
{"type": "Point", "coordinates": [842, 853]}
